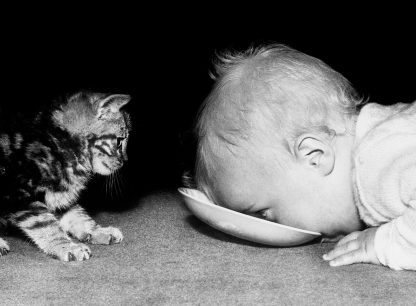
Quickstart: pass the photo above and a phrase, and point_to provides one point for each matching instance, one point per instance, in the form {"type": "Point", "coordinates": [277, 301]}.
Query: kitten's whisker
{"type": "Point", "coordinates": [107, 186]}
{"type": "Point", "coordinates": [121, 178]}
{"type": "Point", "coordinates": [115, 184]}
{"type": "Point", "coordinates": [112, 185]}
{"type": "Point", "coordinates": [120, 190]}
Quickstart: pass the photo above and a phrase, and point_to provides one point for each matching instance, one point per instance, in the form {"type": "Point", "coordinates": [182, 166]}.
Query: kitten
{"type": "Point", "coordinates": [45, 163]}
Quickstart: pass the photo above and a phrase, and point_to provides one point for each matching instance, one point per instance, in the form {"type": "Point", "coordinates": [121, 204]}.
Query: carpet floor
{"type": "Point", "coordinates": [168, 257]}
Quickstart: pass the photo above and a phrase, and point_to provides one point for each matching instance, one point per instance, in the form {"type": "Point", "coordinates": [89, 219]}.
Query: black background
{"type": "Point", "coordinates": [163, 61]}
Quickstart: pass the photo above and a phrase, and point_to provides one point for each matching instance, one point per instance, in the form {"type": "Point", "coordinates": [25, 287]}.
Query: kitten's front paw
{"type": "Point", "coordinates": [105, 235]}
{"type": "Point", "coordinates": [4, 247]}
{"type": "Point", "coordinates": [71, 252]}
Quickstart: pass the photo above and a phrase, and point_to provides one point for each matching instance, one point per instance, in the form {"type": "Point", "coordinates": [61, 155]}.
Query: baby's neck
{"type": "Point", "coordinates": [344, 147]}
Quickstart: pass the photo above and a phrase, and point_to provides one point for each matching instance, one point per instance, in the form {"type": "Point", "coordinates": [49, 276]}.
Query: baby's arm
{"type": "Point", "coordinates": [393, 244]}
{"type": "Point", "coordinates": [353, 248]}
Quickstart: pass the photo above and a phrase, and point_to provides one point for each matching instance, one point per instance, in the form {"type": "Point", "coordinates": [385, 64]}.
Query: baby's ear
{"type": "Point", "coordinates": [110, 104]}
{"type": "Point", "coordinates": [316, 152]}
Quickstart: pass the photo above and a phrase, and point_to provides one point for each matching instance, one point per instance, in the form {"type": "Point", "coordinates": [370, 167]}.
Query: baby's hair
{"type": "Point", "coordinates": [269, 95]}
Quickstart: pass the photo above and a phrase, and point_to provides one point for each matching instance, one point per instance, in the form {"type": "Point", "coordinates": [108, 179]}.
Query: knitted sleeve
{"type": "Point", "coordinates": [395, 241]}
{"type": "Point", "coordinates": [386, 181]}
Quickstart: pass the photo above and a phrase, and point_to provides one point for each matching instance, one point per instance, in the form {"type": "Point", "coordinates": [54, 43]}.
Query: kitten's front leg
{"type": "Point", "coordinates": [4, 247]}
{"type": "Point", "coordinates": [43, 228]}
{"type": "Point", "coordinates": [81, 226]}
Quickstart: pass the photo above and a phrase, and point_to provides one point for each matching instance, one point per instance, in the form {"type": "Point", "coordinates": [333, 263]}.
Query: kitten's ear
{"type": "Point", "coordinates": [111, 104]}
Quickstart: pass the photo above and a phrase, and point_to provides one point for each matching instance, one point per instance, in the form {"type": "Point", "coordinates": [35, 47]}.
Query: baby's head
{"type": "Point", "coordinates": [275, 137]}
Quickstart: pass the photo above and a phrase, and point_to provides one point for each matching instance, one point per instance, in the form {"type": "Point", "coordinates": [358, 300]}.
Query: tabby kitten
{"type": "Point", "coordinates": [45, 163]}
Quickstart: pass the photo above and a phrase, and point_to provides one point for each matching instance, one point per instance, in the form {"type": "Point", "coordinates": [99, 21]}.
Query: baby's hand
{"type": "Point", "coordinates": [353, 248]}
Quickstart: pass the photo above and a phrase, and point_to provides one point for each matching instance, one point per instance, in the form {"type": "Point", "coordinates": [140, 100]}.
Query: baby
{"type": "Point", "coordinates": [281, 134]}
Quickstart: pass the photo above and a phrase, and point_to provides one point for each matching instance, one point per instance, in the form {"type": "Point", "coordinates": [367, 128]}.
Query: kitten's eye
{"type": "Point", "coordinates": [120, 142]}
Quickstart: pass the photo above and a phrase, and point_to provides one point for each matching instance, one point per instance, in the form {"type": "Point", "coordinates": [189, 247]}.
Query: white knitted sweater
{"type": "Point", "coordinates": [385, 180]}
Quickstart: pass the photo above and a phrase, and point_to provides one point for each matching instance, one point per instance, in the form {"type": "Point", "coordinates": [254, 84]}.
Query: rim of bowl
{"type": "Point", "coordinates": [184, 192]}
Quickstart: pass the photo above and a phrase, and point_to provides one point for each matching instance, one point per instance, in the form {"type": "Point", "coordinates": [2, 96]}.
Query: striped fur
{"type": "Point", "coordinates": [46, 162]}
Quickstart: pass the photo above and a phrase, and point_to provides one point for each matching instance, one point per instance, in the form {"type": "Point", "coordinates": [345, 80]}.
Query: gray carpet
{"type": "Point", "coordinates": [169, 257]}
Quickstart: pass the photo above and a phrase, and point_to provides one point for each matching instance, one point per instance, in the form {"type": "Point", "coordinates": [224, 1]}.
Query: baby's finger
{"type": "Point", "coordinates": [342, 249]}
{"type": "Point", "coordinates": [348, 258]}
{"type": "Point", "coordinates": [350, 237]}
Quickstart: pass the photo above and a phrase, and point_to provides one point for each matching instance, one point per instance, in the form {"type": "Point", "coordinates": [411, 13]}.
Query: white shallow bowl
{"type": "Point", "coordinates": [244, 226]}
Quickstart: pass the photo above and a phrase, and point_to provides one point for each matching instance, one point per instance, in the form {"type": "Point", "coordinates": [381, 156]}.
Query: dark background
{"type": "Point", "coordinates": [163, 63]}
